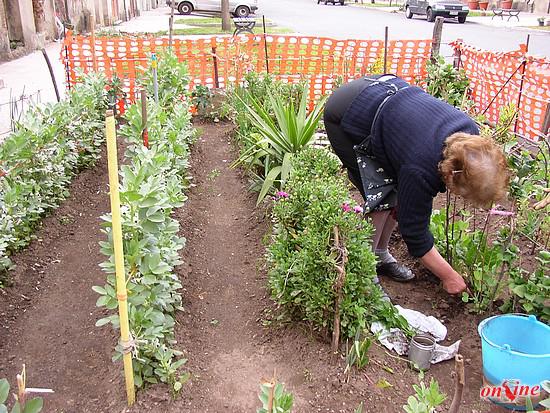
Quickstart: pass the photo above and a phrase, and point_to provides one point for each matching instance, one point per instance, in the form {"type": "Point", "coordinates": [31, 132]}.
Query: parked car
{"type": "Point", "coordinates": [239, 8]}
{"type": "Point", "coordinates": [434, 8]}
{"type": "Point", "coordinates": [331, 1]}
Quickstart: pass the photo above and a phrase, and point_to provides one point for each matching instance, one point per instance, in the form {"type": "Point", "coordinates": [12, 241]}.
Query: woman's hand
{"type": "Point", "coordinates": [452, 281]}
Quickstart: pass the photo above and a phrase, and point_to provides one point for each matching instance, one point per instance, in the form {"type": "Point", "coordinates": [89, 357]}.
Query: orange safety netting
{"type": "Point", "coordinates": [291, 58]}
{"type": "Point", "coordinates": [489, 73]}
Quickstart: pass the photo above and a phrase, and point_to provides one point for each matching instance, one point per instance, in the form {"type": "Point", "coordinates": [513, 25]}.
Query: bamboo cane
{"type": "Point", "coordinates": [119, 257]}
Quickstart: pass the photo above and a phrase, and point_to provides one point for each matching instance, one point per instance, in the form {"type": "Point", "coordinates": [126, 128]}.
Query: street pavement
{"type": "Point", "coordinates": [29, 75]}
{"type": "Point", "coordinates": [309, 18]}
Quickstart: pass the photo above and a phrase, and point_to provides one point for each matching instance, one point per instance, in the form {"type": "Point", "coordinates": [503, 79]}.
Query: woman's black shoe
{"type": "Point", "coordinates": [395, 271]}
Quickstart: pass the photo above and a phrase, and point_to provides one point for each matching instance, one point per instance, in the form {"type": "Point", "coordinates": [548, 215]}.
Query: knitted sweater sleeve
{"type": "Point", "coordinates": [414, 209]}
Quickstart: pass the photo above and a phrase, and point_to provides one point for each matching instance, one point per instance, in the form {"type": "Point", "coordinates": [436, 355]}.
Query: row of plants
{"type": "Point", "coordinates": [321, 267]}
{"type": "Point", "coordinates": [153, 181]}
{"type": "Point", "coordinates": [313, 215]}
{"type": "Point", "coordinates": [38, 160]}
{"type": "Point", "coordinates": [493, 247]}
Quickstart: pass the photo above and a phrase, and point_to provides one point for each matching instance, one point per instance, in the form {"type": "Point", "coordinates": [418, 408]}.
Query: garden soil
{"type": "Point", "coordinates": [230, 329]}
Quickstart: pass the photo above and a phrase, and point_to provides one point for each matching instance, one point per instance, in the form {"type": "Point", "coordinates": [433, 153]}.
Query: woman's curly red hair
{"type": "Point", "coordinates": [475, 167]}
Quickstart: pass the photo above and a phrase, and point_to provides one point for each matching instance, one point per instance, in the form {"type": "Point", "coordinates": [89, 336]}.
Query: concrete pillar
{"type": "Point", "coordinates": [107, 7]}
{"type": "Point", "coordinates": [49, 19]}
{"type": "Point", "coordinates": [4, 38]}
{"type": "Point", "coordinates": [21, 25]}
{"type": "Point", "coordinates": [99, 12]}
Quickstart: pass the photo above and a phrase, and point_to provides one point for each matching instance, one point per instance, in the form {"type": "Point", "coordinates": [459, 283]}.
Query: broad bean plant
{"type": "Point", "coordinates": [37, 161]}
{"type": "Point", "coordinates": [152, 186]}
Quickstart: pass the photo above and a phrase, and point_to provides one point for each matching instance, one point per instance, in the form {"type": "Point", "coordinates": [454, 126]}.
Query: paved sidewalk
{"type": "Point", "coordinates": [29, 76]}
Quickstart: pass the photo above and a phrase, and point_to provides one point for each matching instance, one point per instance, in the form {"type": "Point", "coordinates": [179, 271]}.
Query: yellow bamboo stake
{"type": "Point", "coordinates": [119, 257]}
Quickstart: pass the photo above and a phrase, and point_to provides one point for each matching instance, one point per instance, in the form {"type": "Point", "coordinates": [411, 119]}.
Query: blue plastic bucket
{"type": "Point", "coordinates": [515, 347]}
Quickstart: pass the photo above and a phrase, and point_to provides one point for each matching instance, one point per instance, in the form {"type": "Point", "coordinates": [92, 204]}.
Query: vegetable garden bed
{"type": "Point", "coordinates": [207, 332]}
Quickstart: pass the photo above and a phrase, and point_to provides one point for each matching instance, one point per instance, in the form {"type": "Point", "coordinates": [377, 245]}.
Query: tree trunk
{"type": "Point", "coordinates": [226, 20]}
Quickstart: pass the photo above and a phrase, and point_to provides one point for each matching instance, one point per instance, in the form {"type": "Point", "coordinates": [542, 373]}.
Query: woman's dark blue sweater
{"type": "Point", "coordinates": [408, 140]}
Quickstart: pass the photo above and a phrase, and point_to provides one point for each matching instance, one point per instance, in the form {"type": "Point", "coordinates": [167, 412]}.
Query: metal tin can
{"type": "Point", "coordinates": [420, 351]}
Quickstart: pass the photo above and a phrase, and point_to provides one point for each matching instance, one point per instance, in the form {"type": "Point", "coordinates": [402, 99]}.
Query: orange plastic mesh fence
{"type": "Point", "coordinates": [488, 73]}
{"type": "Point", "coordinates": [321, 60]}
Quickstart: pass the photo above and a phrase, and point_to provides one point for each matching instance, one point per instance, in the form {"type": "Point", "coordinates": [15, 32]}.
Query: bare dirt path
{"type": "Point", "coordinates": [48, 316]}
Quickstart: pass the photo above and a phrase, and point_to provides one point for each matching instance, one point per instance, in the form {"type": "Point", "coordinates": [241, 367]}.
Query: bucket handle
{"type": "Point", "coordinates": [505, 347]}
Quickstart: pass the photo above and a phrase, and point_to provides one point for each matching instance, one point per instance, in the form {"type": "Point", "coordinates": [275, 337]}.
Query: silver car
{"type": "Point", "coordinates": [433, 8]}
{"type": "Point", "coordinates": [239, 8]}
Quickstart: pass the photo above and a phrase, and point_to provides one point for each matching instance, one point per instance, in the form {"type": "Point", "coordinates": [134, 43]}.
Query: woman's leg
{"type": "Point", "coordinates": [384, 224]}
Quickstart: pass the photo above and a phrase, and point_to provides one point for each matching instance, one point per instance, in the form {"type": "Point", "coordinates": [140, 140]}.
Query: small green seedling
{"type": "Point", "coordinates": [274, 399]}
{"type": "Point", "coordinates": [426, 399]}
{"type": "Point", "coordinates": [21, 405]}
{"type": "Point", "coordinates": [358, 354]}
{"type": "Point", "coordinates": [213, 174]}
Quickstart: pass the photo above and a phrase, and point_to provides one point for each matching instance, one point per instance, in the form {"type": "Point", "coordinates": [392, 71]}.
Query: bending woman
{"type": "Point", "coordinates": [401, 147]}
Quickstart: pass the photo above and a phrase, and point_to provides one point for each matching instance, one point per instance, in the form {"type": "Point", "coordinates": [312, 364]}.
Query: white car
{"type": "Point", "coordinates": [239, 8]}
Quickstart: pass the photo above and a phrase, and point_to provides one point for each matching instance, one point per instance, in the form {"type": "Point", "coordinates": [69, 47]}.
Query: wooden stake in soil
{"type": "Point", "coordinates": [386, 50]}
{"type": "Point", "coordinates": [341, 262]}
{"type": "Point", "coordinates": [436, 40]}
{"type": "Point", "coordinates": [125, 340]}
{"type": "Point", "coordinates": [144, 132]}
{"type": "Point", "coordinates": [459, 383]}
{"type": "Point", "coordinates": [155, 78]}
{"type": "Point", "coordinates": [265, 46]}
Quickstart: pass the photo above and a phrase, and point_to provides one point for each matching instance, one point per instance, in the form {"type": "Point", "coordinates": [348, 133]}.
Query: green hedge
{"type": "Point", "coordinates": [301, 257]}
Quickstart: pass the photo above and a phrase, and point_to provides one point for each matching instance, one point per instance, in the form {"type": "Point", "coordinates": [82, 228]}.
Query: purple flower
{"type": "Point", "coordinates": [346, 207]}
{"type": "Point", "coordinates": [358, 209]}
{"type": "Point", "coordinates": [282, 194]}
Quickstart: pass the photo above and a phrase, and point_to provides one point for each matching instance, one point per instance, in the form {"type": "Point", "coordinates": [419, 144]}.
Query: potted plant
{"type": "Point", "coordinates": [473, 4]}
{"type": "Point", "coordinates": [506, 4]}
{"type": "Point", "coordinates": [483, 4]}
{"type": "Point", "coordinates": [541, 21]}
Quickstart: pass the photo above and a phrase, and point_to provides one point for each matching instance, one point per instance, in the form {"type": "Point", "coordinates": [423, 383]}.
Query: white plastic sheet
{"type": "Point", "coordinates": [394, 339]}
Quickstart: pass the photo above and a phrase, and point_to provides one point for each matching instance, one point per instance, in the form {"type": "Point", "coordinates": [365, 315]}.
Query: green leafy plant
{"type": "Point", "coordinates": [292, 130]}
{"type": "Point", "coordinates": [426, 399]}
{"type": "Point", "coordinates": [358, 353]}
{"type": "Point", "coordinates": [531, 291]}
{"type": "Point", "coordinates": [301, 256]}
{"type": "Point", "coordinates": [37, 161]}
{"type": "Point", "coordinates": [274, 398]}
{"type": "Point", "coordinates": [257, 88]}
{"type": "Point", "coordinates": [482, 262]}
{"type": "Point", "coordinates": [445, 82]}
{"type": "Point", "coordinates": [377, 67]}
{"type": "Point", "coordinates": [172, 80]}
{"type": "Point", "coordinates": [21, 405]}
{"type": "Point", "coordinates": [152, 185]}
{"type": "Point", "coordinates": [201, 97]}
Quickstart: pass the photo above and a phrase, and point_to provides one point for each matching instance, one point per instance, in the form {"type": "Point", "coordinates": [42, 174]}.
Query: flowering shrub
{"type": "Point", "coordinates": [301, 256]}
